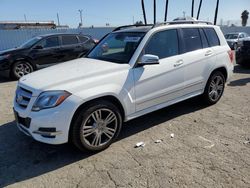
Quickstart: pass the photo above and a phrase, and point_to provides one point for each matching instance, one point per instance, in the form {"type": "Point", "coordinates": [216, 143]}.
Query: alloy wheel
{"type": "Point", "coordinates": [22, 69]}
{"type": "Point", "coordinates": [99, 127]}
{"type": "Point", "coordinates": [216, 88]}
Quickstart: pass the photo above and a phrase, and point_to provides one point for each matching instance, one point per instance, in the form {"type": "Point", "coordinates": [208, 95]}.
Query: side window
{"type": "Point", "coordinates": [203, 39]}
{"type": "Point", "coordinates": [192, 39]}
{"type": "Point", "coordinates": [163, 44]}
{"type": "Point", "coordinates": [241, 36]}
{"type": "Point", "coordinates": [212, 37]}
{"type": "Point", "coordinates": [83, 39]}
{"type": "Point", "coordinates": [49, 42]}
{"type": "Point", "coordinates": [69, 39]}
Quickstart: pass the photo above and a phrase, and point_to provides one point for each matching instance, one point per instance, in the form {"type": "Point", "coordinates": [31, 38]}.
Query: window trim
{"type": "Point", "coordinates": [215, 34]}
{"type": "Point", "coordinates": [78, 41]}
{"type": "Point", "coordinates": [178, 38]}
{"type": "Point", "coordinates": [201, 30]}
{"type": "Point", "coordinates": [59, 42]}
{"type": "Point", "coordinates": [183, 43]}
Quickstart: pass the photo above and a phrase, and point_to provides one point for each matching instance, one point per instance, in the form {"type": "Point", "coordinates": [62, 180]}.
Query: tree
{"type": "Point", "coordinates": [192, 9]}
{"type": "Point", "coordinates": [199, 10]}
{"type": "Point", "coordinates": [216, 12]}
{"type": "Point", "coordinates": [244, 17]}
{"type": "Point", "coordinates": [144, 12]}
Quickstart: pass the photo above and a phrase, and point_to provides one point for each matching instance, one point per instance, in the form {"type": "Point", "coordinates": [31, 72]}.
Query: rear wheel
{"type": "Point", "coordinates": [96, 126]}
{"type": "Point", "coordinates": [20, 68]}
{"type": "Point", "coordinates": [214, 88]}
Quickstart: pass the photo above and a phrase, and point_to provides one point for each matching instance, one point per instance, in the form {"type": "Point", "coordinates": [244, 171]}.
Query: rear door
{"type": "Point", "coordinates": [157, 84]}
{"type": "Point", "coordinates": [70, 48]}
{"type": "Point", "coordinates": [199, 58]}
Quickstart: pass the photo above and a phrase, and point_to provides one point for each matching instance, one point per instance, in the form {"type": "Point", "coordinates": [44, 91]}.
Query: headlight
{"type": "Point", "coordinates": [4, 56]}
{"type": "Point", "coordinates": [50, 99]}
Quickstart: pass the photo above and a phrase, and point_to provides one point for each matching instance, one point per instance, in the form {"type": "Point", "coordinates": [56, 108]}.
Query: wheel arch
{"type": "Point", "coordinates": [223, 70]}
{"type": "Point", "coordinates": [25, 58]}
{"type": "Point", "coordinates": [109, 98]}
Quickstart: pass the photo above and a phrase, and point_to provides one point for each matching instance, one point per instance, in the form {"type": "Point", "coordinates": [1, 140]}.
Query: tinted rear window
{"type": "Point", "coordinates": [191, 39]}
{"type": "Point", "coordinates": [67, 40]}
{"type": "Point", "coordinates": [203, 39]}
{"type": "Point", "coordinates": [83, 39]}
{"type": "Point", "coordinates": [212, 37]}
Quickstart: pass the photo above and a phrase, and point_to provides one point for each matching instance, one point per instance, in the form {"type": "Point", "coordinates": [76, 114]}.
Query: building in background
{"type": "Point", "coordinates": [12, 25]}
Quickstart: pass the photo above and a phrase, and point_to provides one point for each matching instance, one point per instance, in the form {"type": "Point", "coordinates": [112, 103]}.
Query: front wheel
{"type": "Point", "coordinates": [96, 126]}
{"type": "Point", "coordinates": [214, 88]}
{"type": "Point", "coordinates": [20, 68]}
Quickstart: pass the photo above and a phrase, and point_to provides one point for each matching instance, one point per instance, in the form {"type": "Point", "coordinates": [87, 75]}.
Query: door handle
{"type": "Point", "coordinates": [208, 53]}
{"type": "Point", "coordinates": [178, 63]}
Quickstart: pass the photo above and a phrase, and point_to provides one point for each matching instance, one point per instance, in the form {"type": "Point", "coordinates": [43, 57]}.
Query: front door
{"type": "Point", "coordinates": [47, 53]}
{"type": "Point", "coordinates": [161, 83]}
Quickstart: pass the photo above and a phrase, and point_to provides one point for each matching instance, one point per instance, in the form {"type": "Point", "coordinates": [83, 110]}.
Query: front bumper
{"type": "Point", "coordinates": [4, 67]}
{"type": "Point", "coordinates": [49, 126]}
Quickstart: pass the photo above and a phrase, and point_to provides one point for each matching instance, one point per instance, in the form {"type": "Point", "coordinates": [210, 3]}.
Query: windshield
{"type": "Point", "coordinates": [231, 36]}
{"type": "Point", "coordinates": [30, 42]}
{"type": "Point", "coordinates": [117, 47]}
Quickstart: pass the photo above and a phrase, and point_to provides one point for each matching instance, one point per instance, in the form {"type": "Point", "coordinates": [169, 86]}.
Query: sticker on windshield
{"type": "Point", "coordinates": [132, 39]}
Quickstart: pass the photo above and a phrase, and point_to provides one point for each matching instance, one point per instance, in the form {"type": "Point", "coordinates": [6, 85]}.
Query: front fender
{"type": "Point", "coordinates": [125, 97]}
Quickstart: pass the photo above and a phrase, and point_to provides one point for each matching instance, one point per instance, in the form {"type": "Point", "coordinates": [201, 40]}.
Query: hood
{"type": "Point", "coordinates": [66, 76]}
{"type": "Point", "coordinates": [12, 51]}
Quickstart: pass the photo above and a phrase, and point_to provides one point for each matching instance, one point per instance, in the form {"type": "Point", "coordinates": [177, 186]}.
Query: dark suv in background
{"type": "Point", "coordinates": [43, 51]}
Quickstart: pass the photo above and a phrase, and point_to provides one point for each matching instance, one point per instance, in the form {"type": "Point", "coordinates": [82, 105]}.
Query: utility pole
{"type": "Point", "coordinates": [184, 14]}
{"type": "Point", "coordinates": [25, 18]}
{"type": "Point", "coordinates": [58, 20]}
{"type": "Point", "coordinates": [80, 15]}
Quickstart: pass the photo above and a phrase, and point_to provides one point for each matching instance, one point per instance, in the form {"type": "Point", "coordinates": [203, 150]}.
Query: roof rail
{"type": "Point", "coordinates": [182, 22]}
{"type": "Point", "coordinates": [127, 26]}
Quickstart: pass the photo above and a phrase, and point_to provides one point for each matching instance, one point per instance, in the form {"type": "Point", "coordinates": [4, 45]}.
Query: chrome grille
{"type": "Point", "coordinates": [23, 97]}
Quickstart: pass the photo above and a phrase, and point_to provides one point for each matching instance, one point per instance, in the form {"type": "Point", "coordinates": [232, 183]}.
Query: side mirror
{"type": "Point", "coordinates": [149, 59]}
{"type": "Point", "coordinates": [38, 47]}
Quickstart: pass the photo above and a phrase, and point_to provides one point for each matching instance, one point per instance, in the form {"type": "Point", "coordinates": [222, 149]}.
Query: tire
{"type": "Point", "coordinates": [214, 88]}
{"type": "Point", "coordinates": [20, 68]}
{"type": "Point", "coordinates": [93, 134]}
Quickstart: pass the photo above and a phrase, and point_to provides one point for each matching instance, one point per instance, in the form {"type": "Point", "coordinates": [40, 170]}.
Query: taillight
{"type": "Point", "coordinates": [231, 55]}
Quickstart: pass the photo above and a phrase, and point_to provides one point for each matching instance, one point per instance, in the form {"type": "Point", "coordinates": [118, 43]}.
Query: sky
{"type": "Point", "coordinates": [114, 12]}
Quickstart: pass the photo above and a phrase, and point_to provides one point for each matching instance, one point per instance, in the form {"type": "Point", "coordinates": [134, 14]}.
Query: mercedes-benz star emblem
{"type": "Point", "coordinates": [19, 98]}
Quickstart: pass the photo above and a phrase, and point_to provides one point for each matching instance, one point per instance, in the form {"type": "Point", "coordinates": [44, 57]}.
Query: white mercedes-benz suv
{"type": "Point", "coordinates": [130, 72]}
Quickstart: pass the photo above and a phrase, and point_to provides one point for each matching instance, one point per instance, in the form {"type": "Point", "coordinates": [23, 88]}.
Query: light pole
{"type": "Point", "coordinates": [80, 10]}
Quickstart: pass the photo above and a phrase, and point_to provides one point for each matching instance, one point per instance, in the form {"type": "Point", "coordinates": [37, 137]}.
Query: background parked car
{"type": "Point", "coordinates": [234, 40]}
{"type": "Point", "coordinates": [243, 53]}
{"type": "Point", "coordinates": [43, 51]}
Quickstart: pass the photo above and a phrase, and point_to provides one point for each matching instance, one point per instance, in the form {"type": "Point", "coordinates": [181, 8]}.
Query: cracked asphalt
{"type": "Point", "coordinates": [209, 148]}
